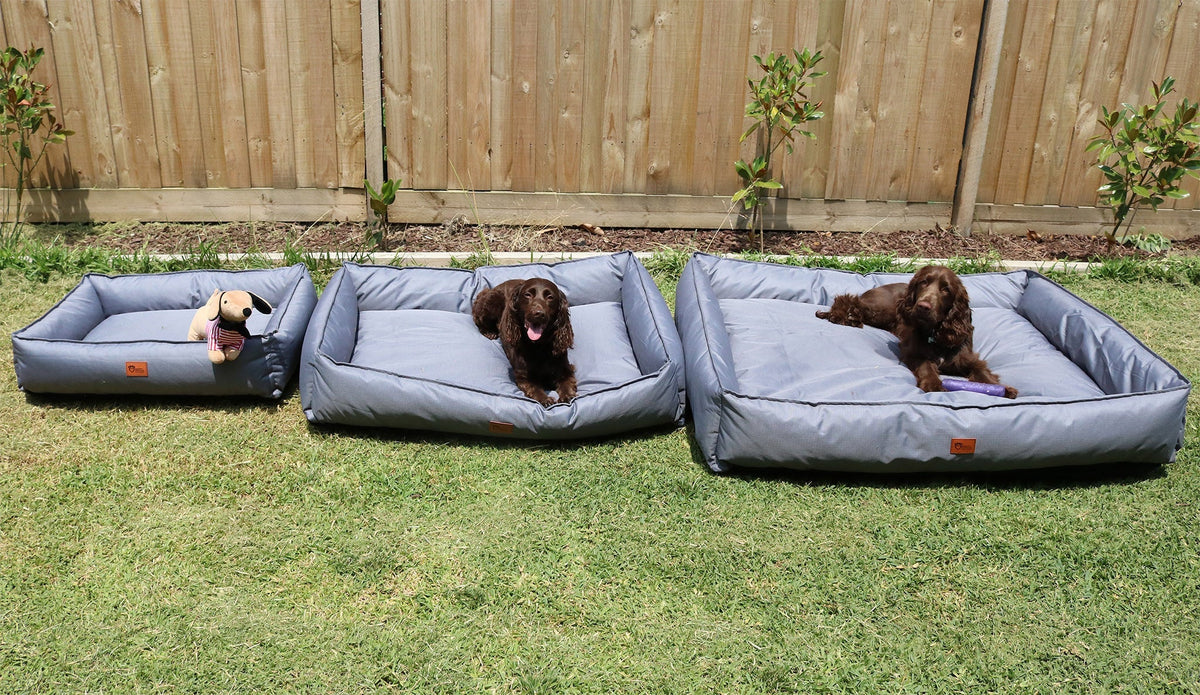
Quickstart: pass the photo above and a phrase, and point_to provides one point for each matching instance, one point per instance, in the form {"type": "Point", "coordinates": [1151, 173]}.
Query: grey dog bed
{"type": "Point", "coordinates": [396, 347]}
{"type": "Point", "coordinates": [127, 334]}
{"type": "Point", "coordinates": [771, 385]}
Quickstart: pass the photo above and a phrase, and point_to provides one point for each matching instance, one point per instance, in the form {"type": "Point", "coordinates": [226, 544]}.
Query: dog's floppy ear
{"type": "Point", "coordinates": [512, 322]}
{"type": "Point", "coordinates": [956, 329]}
{"type": "Point", "coordinates": [564, 336]}
{"type": "Point", "coordinates": [263, 306]}
{"type": "Point", "coordinates": [908, 300]}
{"type": "Point", "coordinates": [212, 308]}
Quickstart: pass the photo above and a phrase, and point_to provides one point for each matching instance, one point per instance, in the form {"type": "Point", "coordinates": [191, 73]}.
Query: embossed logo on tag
{"type": "Point", "coordinates": [133, 369]}
{"type": "Point", "coordinates": [962, 446]}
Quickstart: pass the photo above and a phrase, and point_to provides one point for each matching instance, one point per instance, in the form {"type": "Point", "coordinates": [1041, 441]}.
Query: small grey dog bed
{"type": "Point", "coordinates": [771, 385]}
{"type": "Point", "coordinates": [396, 347]}
{"type": "Point", "coordinates": [127, 334]}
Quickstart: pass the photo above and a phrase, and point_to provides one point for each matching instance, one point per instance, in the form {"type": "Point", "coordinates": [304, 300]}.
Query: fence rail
{"type": "Point", "coordinates": [610, 111]}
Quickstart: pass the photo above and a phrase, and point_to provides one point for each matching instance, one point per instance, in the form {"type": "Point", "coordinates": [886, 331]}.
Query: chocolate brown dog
{"type": "Point", "coordinates": [531, 319]}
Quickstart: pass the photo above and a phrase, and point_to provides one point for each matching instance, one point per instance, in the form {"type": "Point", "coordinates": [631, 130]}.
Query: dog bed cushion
{"type": "Point", "coordinates": [127, 334]}
{"type": "Point", "coordinates": [771, 385]}
{"type": "Point", "coordinates": [396, 347]}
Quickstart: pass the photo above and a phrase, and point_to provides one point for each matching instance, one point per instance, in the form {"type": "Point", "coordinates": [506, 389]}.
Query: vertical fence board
{"type": "Point", "coordinates": [616, 75]}
{"type": "Point", "coordinates": [372, 89]}
{"type": "Point", "coordinates": [524, 95]}
{"type": "Point", "coordinates": [855, 110]}
{"type": "Point", "coordinates": [278, 88]}
{"type": "Point", "coordinates": [320, 106]}
{"type": "Point", "coordinates": [219, 83]}
{"type": "Point", "coordinates": [637, 104]}
{"type": "Point", "coordinates": [397, 89]}
{"type": "Point", "coordinates": [900, 95]}
{"type": "Point", "coordinates": [427, 24]}
{"type": "Point", "coordinates": [719, 98]}
{"type": "Point", "coordinates": [137, 154]}
{"type": "Point", "coordinates": [469, 93]}
{"type": "Point", "coordinates": [81, 86]}
{"type": "Point", "coordinates": [300, 83]}
{"type": "Point", "coordinates": [673, 87]}
{"type": "Point", "coordinates": [1016, 155]}
{"type": "Point", "coordinates": [1106, 56]}
{"type": "Point", "coordinates": [568, 97]}
{"type": "Point", "coordinates": [1060, 91]}
{"type": "Point", "coordinates": [348, 112]}
{"type": "Point", "coordinates": [501, 64]}
{"type": "Point", "coordinates": [817, 154]}
{"type": "Point", "coordinates": [594, 88]}
{"type": "Point", "coordinates": [953, 40]}
{"type": "Point", "coordinates": [545, 174]}
{"type": "Point", "coordinates": [254, 92]}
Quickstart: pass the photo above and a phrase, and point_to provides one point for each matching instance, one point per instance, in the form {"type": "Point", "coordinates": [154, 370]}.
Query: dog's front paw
{"type": "Point", "coordinates": [930, 385]}
{"type": "Point", "coordinates": [1010, 392]}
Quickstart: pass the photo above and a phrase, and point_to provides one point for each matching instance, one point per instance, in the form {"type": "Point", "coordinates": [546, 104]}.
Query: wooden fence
{"type": "Point", "coordinates": [617, 112]}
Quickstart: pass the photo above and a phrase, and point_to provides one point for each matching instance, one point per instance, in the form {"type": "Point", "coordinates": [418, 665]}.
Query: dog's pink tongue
{"type": "Point", "coordinates": [534, 332]}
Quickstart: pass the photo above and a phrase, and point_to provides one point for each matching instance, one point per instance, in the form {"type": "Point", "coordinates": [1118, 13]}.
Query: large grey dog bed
{"type": "Point", "coordinates": [396, 347]}
{"type": "Point", "coordinates": [127, 334]}
{"type": "Point", "coordinates": [771, 385]}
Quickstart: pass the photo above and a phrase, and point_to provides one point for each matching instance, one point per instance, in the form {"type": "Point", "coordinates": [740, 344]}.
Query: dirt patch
{"type": "Point", "coordinates": [459, 237]}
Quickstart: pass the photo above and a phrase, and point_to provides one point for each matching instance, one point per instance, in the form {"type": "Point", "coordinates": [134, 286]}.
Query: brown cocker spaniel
{"type": "Point", "coordinates": [534, 326]}
{"type": "Point", "coordinates": [931, 315]}
{"type": "Point", "coordinates": [933, 323]}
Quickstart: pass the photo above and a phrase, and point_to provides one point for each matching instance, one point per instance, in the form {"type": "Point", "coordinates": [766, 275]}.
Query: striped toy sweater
{"type": "Point", "coordinates": [225, 334]}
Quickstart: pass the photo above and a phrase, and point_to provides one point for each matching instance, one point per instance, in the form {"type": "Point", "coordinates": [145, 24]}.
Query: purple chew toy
{"type": "Point", "coordinates": [951, 384]}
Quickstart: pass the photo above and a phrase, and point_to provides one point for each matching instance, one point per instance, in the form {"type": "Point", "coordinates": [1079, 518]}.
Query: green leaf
{"type": "Point", "coordinates": [770, 183]}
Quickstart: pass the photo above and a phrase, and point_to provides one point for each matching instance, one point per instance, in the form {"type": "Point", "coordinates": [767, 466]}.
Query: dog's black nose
{"type": "Point", "coordinates": [246, 312]}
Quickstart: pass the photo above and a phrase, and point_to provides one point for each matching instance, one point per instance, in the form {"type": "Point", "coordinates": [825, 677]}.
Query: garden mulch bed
{"type": "Point", "coordinates": [459, 237]}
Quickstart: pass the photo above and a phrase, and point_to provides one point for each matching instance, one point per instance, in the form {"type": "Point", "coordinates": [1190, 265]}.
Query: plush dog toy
{"type": "Point", "coordinates": [222, 322]}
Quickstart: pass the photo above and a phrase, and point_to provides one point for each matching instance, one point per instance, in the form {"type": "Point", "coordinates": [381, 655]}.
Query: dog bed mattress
{"type": "Point", "coordinates": [396, 347]}
{"type": "Point", "coordinates": [771, 385]}
{"type": "Point", "coordinates": [127, 334]}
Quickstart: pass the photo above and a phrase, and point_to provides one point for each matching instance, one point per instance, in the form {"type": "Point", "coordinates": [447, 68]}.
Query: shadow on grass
{"type": "Point", "coordinates": [100, 403]}
{"type": "Point", "coordinates": [499, 442]}
{"type": "Point", "coordinates": [1055, 478]}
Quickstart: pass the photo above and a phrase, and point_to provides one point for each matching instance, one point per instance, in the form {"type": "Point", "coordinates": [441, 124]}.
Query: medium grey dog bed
{"type": "Point", "coordinates": [771, 385]}
{"type": "Point", "coordinates": [396, 347]}
{"type": "Point", "coordinates": [127, 334]}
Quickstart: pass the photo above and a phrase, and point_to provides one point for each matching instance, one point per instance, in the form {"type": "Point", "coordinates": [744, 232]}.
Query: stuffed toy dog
{"type": "Point", "coordinates": [222, 322]}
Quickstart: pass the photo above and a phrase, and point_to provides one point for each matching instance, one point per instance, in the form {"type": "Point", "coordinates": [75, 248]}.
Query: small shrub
{"type": "Point", "coordinates": [380, 200]}
{"type": "Point", "coordinates": [1144, 155]}
{"type": "Point", "coordinates": [27, 127]}
{"type": "Point", "coordinates": [779, 109]}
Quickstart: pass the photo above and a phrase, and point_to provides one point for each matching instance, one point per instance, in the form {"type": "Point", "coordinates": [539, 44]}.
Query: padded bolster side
{"type": "Point", "coordinates": [333, 327]}
{"type": "Point", "coordinates": [651, 329]}
{"type": "Point", "coordinates": [285, 332]}
{"type": "Point", "coordinates": [384, 288]}
{"type": "Point", "coordinates": [707, 354]}
{"type": "Point", "coordinates": [71, 318]}
{"type": "Point", "coordinates": [1111, 355]}
{"type": "Point", "coordinates": [641, 323]}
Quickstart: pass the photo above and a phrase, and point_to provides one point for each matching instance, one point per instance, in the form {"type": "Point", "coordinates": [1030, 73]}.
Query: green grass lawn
{"type": "Point", "coordinates": [163, 545]}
